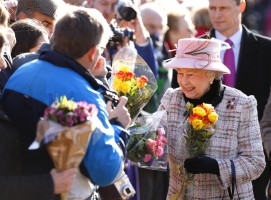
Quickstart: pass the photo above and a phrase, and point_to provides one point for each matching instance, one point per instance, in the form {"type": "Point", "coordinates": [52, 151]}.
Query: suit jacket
{"type": "Point", "coordinates": [253, 75]}
{"type": "Point", "coordinates": [237, 137]}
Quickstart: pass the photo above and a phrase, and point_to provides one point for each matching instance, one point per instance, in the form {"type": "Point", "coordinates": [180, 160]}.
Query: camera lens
{"type": "Point", "coordinates": [127, 13]}
{"type": "Point", "coordinates": [126, 191]}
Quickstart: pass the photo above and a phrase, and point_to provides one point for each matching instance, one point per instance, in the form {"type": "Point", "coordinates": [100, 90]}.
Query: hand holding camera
{"type": "Point", "coordinates": [120, 112]}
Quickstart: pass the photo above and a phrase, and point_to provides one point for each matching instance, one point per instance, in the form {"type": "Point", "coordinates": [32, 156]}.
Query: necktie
{"type": "Point", "coordinates": [229, 79]}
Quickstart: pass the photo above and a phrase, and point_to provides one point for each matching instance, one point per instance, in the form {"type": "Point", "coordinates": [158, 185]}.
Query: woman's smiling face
{"type": "Point", "coordinates": [194, 82]}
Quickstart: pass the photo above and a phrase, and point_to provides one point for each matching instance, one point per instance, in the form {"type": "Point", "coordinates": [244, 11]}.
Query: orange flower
{"type": "Point", "coordinates": [141, 82]}
{"type": "Point", "coordinates": [129, 76]}
{"type": "Point", "coordinates": [206, 120]}
{"type": "Point", "coordinates": [125, 76]}
{"type": "Point", "coordinates": [120, 74]}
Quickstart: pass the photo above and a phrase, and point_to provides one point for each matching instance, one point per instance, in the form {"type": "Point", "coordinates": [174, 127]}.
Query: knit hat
{"type": "Point", "coordinates": [46, 7]}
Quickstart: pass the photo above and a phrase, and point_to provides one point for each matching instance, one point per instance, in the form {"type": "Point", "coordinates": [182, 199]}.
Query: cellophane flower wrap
{"type": "Point", "coordinates": [65, 129]}
{"type": "Point", "coordinates": [198, 128]}
{"type": "Point", "coordinates": [133, 78]}
{"type": "Point", "coordinates": [147, 144]}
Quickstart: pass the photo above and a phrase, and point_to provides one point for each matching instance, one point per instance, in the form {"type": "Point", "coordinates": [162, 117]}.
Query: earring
{"type": "Point", "coordinates": [211, 82]}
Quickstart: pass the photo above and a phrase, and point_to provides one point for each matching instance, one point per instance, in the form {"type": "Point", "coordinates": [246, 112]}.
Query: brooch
{"type": "Point", "coordinates": [231, 103]}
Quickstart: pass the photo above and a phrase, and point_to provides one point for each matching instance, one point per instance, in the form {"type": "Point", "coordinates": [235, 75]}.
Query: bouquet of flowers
{"type": "Point", "coordinates": [147, 142]}
{"type": "Point", "coordinates": [66, 129]}
{"type": "Point", "coordinates": [198, 129]}
{"type": "Point", "coordinates": [133, 78]}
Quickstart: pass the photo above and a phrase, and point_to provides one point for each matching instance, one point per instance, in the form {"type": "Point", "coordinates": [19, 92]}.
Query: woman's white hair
{"type": "Point", "coordinates": [215, 74]}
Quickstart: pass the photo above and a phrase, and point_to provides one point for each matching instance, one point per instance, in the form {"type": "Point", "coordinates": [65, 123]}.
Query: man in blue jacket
{"type": "Point", "coordinates": [77, 44]}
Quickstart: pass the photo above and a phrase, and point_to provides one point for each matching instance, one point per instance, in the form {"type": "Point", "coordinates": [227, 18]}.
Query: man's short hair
{"type": "Point", "coordinates": [46, 7]}
{"type": "Point", "coordinates": [79, 30]}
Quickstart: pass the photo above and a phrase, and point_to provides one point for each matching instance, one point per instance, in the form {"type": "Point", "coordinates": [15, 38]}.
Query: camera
{"type": "Point", "coordinates": [110, 96]}
{"type": "Point", "coordinates": [118, 35]}
{"type": "Point", "coordinates": [125, 9]}
{"type": "Point", "coordinates": [124, 187]}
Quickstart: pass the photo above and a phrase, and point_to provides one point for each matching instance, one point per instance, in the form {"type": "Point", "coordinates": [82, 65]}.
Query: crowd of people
{"type": "Point", "coordinates": [204, 54]}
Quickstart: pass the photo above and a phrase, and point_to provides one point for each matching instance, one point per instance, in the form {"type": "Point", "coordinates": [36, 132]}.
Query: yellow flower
{"type": "Point", "coordinates": [197, 124]}
{"type": "Point", "coordinates": [126, 86]}
{"type": "Point", "coordinates": [117, 84]}
{"type": "Point", "coordinates": [213, 117]}
{"type": "Point", "coordinates": [125, 68]}
{"type": "Point", "coordinates": [199, 111]}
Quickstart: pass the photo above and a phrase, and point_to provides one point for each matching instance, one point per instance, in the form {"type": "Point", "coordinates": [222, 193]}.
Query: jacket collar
{"type": "Point", "coordinates": [64, 61]}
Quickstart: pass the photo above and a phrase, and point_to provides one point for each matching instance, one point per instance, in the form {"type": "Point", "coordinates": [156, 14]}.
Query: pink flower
{"type": "Point", "coordinates": [164, 140]}
{"type": "Point", "coordinates": [159, 151]}
{"type": "Point", "coordinates": [147, 157]}
{"type": "Point", "coordinates": [159, 142]}
{"type": "Point", "coordinates": [160, 131]}
{"type": "Point", "coordinates": [151, 144]}
{"type": "Point", "coordinates": [70, 113]}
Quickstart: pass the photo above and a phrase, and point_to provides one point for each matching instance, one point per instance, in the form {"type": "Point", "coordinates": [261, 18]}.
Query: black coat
{"type": "Point", "coordinates": [253, 76]}
{"type": "Point", "coordinates": [13, 183]}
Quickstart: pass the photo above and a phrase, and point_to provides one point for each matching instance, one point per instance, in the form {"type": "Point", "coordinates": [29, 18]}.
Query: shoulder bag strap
{"type": "Point", "coordinates": [233, 181]}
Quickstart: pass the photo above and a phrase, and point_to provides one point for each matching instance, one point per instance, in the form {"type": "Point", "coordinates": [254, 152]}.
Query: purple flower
{"type": "Point", "coordinates": [70, 113]}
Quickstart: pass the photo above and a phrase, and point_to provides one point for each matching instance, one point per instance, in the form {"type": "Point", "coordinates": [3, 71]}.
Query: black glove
{"type": "Point", "coordinates": [202, 164]}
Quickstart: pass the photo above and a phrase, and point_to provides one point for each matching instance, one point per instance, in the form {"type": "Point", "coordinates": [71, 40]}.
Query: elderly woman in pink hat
{"type": "Point", "coordinates": [234, 156]}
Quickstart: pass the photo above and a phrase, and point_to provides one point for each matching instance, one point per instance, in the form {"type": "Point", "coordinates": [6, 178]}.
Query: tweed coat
{"type": "Point", "coordinates": [253, 78]}
{"type": "Point", "coordinates": [237, 137]}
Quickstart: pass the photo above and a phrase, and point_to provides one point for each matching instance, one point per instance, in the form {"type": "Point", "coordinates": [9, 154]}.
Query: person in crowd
{"type": "Point", "coordinates": [201, 20]}
{"type": "Point", "coordinates": [143, 44]}
{"type": "Point", "coordinates": [141, 39]}
{"type": "Point", "coordinates": [3, 42]}
{"type": "Point", "coordinates": [75, 2]}
{"type": "Point", "coordinates": [11, 6]}
{"type": "Point", "coordinates": [30, 35]}
{"type": "Point", "coordinates": [180, 25]}
{"type": "Point", "coordinates": [38, 84]}
{"type": "Point", "coordinates": [13, 183]}
{"type": "Point", "coordinates": [251, 61]}
{"type": "Point", "coordinates": [235, 147]}
{"type": "Point", "coordinates": [6, 72]}
{"type": "Point", "coordinates": [155, 20]}
{"type": "Point", "coordinates": [265, 124]}
{"type": "Point", "coordinates": [43, 10]}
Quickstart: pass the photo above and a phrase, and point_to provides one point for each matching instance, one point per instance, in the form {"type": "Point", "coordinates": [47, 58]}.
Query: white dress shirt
{"type": "Point", "coordinates": [236, 39]}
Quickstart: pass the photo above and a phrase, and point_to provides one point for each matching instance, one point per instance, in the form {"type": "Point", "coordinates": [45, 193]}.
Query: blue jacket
{"type": "Point", "coordinates": [38, 84]}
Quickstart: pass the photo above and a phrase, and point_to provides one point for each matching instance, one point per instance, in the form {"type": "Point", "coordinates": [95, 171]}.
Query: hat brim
{"type": "Point", "coordinates": [188, 63]}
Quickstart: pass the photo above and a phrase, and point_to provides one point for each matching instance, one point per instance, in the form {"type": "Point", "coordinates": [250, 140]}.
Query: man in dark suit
{"type": "Point", "coordinates": [252, 61]}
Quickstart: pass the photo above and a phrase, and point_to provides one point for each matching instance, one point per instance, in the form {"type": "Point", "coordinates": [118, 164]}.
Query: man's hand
{"type": "Point", "coordinates": [100, 70]}
{"type": "Point", "coordinates": [120, 112]}
{"type": "Point", "coordinates": [63, 180]}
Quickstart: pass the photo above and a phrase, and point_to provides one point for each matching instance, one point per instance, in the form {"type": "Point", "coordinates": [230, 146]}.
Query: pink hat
{"type": "Point", "coordinates": [198, 53]}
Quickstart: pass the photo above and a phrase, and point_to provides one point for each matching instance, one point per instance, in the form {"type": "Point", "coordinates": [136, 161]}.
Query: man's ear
{"type": "Point", "coordinates": [242, 6]}
{"type": "Point", "coordinates": [21, 15]}
{"type": "Point", "coordinates": [91, 53]}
